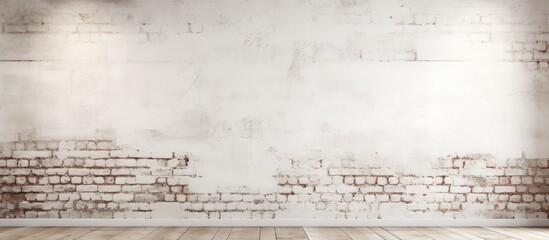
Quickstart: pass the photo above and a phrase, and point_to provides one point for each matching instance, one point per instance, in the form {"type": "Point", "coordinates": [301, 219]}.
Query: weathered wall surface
{"type": "Point", "coordinates": [274, 109]}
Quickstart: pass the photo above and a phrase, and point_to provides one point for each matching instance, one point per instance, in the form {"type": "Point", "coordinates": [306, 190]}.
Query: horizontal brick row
{"type": "Point", "coordinates": [57, 184]}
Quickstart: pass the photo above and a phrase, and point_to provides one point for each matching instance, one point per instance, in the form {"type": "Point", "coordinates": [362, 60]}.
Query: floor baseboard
{"type": "Point", "coordinates": [273, 222]}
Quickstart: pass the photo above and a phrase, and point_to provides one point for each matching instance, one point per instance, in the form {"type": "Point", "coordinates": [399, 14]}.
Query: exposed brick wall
{"type": "Point", "coordinates": [226, 82]}
{"type": "Point", "coordinates": [83, 179]}
{"type": "Point", "coordinates": [88, 179]}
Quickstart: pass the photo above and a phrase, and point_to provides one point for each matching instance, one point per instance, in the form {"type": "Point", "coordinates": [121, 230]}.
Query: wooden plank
{"type": "Point", "coordinates": [325, 233]}
{"type": "Point", "coordinates": [21, 232]}
{"type": "Point", "coordinates": [5, 229]}
{"type": "Point", "coordinates": [384, 234]}
{"type": "Point", "coordinates": [42, 234]}
{"type": "Point", "coordinates": [361, 233]}
{"type": "Point", "coordinates": [222, 233]}
{"type": "Point", "coordinates": [71, 233]}
{"type": "Point", "coordinates": [468, 234]}
{"type": "Point", "coordinates": [199, 233]}
{"type": "Point", "coordinates": [270, 233]}
{"type": "Point", "coordinates": [537, 230]}
{"type": "Point", "coordinates": [406, 233]}
{"type": "Point", "coordinates": [267, 233]}
{"type": "Point", "coordinates": [134, 233]}
{"type": "Point", "coordinates": [102, 233]}
{"type": "Point", "coordinates": [244, 233]}
{"type": "Point", "coordinates": [166, 233]}
{"type": "Point", "coordinates": [440, 233]}
{"type": "Point", "coordinates": [294, 233]}
{"type": "Point", "coordinates": [61, 233]}
{"type": "Point", "coordinates": [478, 233]}
{"type": "Point", "coordinates": [516, 233]}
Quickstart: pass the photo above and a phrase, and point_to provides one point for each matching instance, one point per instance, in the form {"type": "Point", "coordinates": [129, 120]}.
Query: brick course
{"type": "Point", "coordinates": [132, 184]}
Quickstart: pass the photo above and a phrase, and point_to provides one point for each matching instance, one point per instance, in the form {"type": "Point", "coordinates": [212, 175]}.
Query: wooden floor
{"type": "Point", "coordinates": [271, 233]}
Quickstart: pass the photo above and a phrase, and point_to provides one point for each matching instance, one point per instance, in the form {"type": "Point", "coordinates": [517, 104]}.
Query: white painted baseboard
{"type": "Point", "coordinates": [274, 222]}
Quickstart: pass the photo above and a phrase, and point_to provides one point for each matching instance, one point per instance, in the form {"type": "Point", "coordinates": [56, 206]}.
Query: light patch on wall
{"type": "Point", "coordinates": [457, 47]}
{"type": "Point", "coordinates": [234, 163]}
{"type": "Point", "coordinates": [420, 110]}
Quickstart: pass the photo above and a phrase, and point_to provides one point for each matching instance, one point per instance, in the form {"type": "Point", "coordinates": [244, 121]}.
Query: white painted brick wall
{"type": "Point", "coordinates": [265, 109]}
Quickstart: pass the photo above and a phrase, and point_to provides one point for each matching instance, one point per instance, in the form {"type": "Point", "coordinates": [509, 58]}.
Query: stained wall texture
{"type": "Point", "coordinates": [238, 109]}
